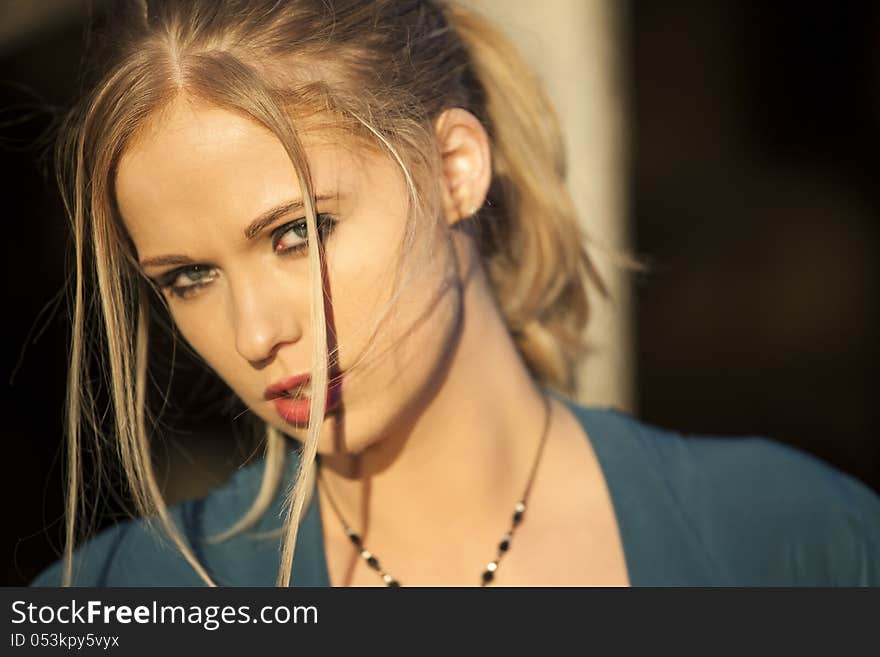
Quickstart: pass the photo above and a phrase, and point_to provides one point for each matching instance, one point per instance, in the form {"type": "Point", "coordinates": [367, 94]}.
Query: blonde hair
{"type": "Point", "coordinates": [380, 72]}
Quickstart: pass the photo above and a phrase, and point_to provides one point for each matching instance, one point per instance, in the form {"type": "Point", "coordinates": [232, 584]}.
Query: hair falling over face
{"type": "Point", "coordinates": [286, 66]}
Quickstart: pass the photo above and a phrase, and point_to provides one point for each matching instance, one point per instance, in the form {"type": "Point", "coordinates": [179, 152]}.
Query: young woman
{"type": "Point", "coordinates": [355, 213]}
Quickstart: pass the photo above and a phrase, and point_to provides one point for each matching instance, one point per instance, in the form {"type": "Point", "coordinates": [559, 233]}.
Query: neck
{"type": "Point", "coordinates": [463, 464]}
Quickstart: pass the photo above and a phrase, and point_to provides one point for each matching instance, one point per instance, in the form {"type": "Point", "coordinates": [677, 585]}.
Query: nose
{"type": "Point", "coordinates": [264, 321]}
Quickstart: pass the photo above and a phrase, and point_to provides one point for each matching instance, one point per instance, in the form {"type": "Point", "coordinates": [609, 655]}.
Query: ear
{"type": "Point", "coordinates": [467, 164]}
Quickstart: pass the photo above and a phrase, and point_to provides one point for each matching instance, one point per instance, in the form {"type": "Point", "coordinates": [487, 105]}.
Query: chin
{"type": "Point", "coordinates": [342, 431]}
{"type": "Point", "coordinates": [349, 432]}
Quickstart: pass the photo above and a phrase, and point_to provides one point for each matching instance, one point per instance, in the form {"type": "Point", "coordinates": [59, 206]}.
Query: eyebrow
{"type": "Point", "coordinates": [251, 232]}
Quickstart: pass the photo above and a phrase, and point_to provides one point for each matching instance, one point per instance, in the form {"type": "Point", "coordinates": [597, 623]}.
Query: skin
{"type": "Point", "coordinates": [437, 433]}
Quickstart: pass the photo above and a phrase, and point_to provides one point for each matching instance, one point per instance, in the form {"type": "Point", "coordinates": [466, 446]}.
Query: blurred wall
{"type": "Point", "coordinates": [755, 133]}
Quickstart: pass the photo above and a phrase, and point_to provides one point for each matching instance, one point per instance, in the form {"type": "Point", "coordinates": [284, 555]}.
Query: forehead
{"type": "Point", "coordinates": [202, 164]}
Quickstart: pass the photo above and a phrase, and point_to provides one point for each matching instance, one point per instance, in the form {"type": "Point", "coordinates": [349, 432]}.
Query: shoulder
{"type": "Point", "coordinates": [129, 553]}
{"type": "Point", "coordinates": [138, 553]}
{"type": "Point", "coordinates": [759, 511]}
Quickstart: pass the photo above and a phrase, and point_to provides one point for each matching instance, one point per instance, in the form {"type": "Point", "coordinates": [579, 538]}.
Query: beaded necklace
{"type": "Point", "coordinates": [489, 572]}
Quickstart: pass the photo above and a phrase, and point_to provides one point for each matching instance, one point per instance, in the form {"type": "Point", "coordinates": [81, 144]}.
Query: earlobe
{"type": "Point", "coordinates": [467, 166]}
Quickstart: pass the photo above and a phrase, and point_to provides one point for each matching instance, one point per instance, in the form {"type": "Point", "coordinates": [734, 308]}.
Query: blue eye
{"type": "Point", "coordinates": [289, 239]}
{"type": "Point", "coordinates": [293, 237]}
{"type": "Point", "coordinates": [184, 282]}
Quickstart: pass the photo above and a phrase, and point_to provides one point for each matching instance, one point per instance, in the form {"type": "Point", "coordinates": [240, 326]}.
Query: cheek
{"type": "Point", "coordinates": [207, 331]}
{"type": "Point", "coordinates": [404, 351]}
{"type": "Point", "coordinates": [361, 267]}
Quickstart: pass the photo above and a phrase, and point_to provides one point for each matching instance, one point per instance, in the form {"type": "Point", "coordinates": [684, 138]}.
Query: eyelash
{"type": "Point", "coordinates": [326, 223]}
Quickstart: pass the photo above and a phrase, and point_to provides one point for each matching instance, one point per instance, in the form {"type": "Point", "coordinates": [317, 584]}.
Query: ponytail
{"type": "Point", "coordinates": [538, 272]}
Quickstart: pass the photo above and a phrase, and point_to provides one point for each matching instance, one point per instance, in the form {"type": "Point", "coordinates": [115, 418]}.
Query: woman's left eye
{"type": "Point", "coordinates": [293, 237]}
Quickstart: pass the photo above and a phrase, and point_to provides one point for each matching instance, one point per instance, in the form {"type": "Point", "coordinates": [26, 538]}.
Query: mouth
{"type": "Point", "coordinates": [293, 402]}
{"type": "Point", "coordinates": [291, 387]}
{"type": "Point", "coordinates": [287, 394]}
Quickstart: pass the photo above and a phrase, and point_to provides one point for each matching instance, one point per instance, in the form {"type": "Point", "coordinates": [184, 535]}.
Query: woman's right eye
{"type": "Point", "coordinates": [185, 282]}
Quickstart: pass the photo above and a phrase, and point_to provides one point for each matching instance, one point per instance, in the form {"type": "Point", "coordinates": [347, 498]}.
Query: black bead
{"type": "Point", "coordinates": [517, 516]}
{"type": "Point", "coordinates": [394, 584]}
{"type": "Point", "coordinates": [373, 563]}
{"type": "Point", "coordinates": [355, 539]}
{"type": "Point", "coordinates": [504, 545]}
{"type": "Point", "coordinates": [488, 576]}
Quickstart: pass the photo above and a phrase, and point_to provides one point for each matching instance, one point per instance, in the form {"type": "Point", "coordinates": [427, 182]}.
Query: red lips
{"type": "Point", "coordinates": [281, 388]}
{"type": "Point", "coordinates": [297, 409]}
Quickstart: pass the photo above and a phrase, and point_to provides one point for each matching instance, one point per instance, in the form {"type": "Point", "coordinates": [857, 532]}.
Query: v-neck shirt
{"type": "Point", "coordinates": [691, 511]}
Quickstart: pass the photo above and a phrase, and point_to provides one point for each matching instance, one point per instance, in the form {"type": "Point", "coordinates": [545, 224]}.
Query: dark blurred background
{"type": "Point", "coordinates": [755, 145]}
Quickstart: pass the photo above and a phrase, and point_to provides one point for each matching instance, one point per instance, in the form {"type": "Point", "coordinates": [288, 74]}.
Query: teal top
{"type": "Point", "coordinates": [692, 511]}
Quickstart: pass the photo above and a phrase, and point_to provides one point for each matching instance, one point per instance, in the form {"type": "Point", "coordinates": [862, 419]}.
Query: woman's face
{"type": "Point", "coordinates": [190, 189]}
